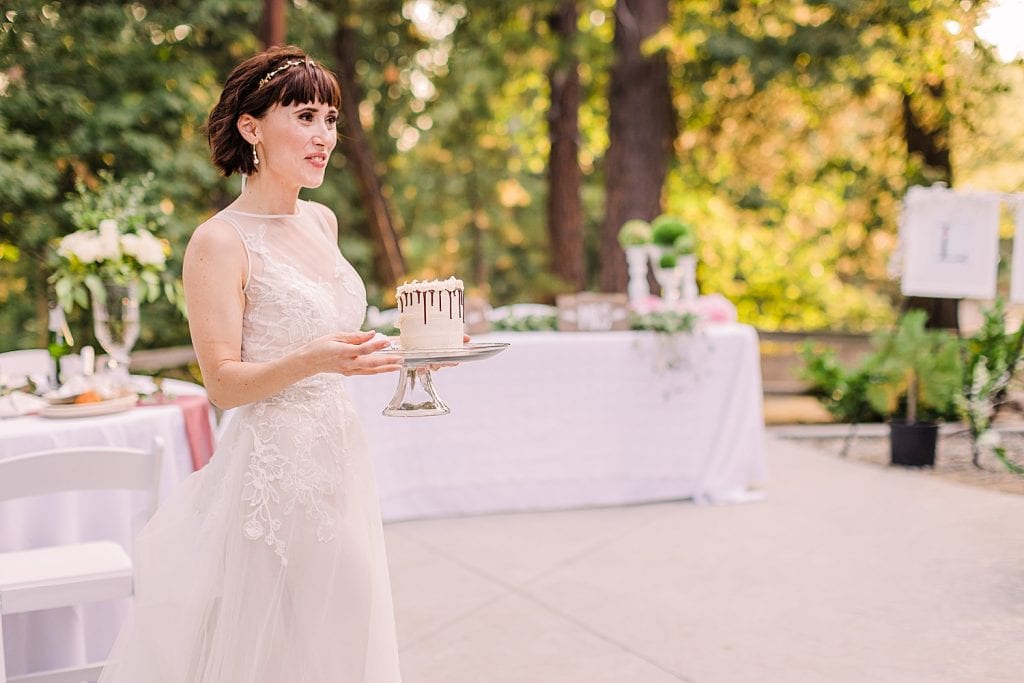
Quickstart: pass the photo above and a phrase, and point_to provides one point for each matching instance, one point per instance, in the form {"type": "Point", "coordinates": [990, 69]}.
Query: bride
{"type": "Point", "coordinates": [268, 565]}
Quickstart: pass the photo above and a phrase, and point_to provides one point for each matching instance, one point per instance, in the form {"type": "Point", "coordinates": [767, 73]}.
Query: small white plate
{"type": "Point", "coordinates": [112, 405]}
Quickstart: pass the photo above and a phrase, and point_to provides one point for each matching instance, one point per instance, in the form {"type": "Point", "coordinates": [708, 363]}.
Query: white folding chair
{"type": "Point", "coordinates": [28, 363]}
{"type": "Point", "coordinates": [61, 576]}
{"type": "Point", "coordinates": [25, 363]}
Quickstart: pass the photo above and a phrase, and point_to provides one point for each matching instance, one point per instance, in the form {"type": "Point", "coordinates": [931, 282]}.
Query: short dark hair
{"type": "Point", "coordinates": [248, 90]}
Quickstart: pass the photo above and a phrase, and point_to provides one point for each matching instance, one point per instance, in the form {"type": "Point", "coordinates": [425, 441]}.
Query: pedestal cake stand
{"type": "Point", "coordinates": [415, 395]}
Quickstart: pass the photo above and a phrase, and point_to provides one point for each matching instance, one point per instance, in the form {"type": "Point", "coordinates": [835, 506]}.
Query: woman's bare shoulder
{"type": "Point", "coordinates": [328, 217]}
{"type": "Point", "coordinates": [216, 247]}
{"type": "Point", "coordinates": [215, 235]}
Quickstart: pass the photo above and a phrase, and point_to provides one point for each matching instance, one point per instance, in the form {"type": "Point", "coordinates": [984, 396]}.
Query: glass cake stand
{"type": "Point", "coordinates": [415, 395]}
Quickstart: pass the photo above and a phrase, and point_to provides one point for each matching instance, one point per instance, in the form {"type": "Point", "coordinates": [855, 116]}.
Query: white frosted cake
{"type": "Point", "coordinates": [431, 315]}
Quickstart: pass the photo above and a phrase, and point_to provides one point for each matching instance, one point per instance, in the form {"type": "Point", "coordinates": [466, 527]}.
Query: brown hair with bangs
{"type": "Point", "coordinates": [303, 83]}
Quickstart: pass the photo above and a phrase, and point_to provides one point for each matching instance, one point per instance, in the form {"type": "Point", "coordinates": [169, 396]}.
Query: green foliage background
{"type": "Point", "coordinates": [790, 160]}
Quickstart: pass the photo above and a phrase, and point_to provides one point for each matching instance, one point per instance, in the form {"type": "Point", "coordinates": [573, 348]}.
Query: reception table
{"type": "Point", "coordinates": [576, 419]}
{"type": "Point", "coordinates": [59, 637]}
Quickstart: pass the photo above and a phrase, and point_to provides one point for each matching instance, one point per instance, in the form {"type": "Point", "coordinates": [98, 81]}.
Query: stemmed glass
{"type": "Point", "coordinates": [115, 314]}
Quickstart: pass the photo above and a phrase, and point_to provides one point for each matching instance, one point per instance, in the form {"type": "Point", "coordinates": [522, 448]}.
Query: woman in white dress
{"type": "Point", "coordinates": [268, 565]}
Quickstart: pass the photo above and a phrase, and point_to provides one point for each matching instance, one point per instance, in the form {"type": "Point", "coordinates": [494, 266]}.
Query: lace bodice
{"type": "Point", "coordinates": [299, 286]}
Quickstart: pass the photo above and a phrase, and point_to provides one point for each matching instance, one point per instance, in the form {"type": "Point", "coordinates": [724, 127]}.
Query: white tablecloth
{"type": "Point", "coordinates": [563, 420]}
{"type": "Point", "coordinates": [59, 637]}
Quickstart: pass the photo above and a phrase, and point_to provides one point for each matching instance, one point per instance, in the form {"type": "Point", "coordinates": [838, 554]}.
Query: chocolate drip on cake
{"type": "Point", "coordinates": [425, 295]}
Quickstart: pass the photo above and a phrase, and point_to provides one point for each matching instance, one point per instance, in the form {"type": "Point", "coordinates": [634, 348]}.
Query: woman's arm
{"type": "Point", "coordinates": [214, 274]}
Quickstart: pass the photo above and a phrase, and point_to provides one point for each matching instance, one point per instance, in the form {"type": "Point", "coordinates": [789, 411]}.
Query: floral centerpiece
{"type": "Point", "coordinates": [113, 243]}
{"type": "Point", "coordinates": [113, 261]}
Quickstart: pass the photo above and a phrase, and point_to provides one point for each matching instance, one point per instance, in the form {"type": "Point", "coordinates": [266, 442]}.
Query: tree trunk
{"type": "Point", "coordinates": [931, 144]}
{"type": "Point", "coordinates": [912, 390]}
{"type": "Point", "coordinates": [479, 263]}
{"type": "Point", "coordinates": [565, 207]}
{"type": "Point", "coordinates": [272, 32]}
{"type": "Point", "coordinates": [387, 250]}
{"type": "Point", "coordinates": [640, 132]}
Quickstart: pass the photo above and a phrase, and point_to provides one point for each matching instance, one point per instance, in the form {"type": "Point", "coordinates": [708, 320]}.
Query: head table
{"type": "Point", "coordinates": [574, 419]}
{"type": "Point", "coordinates": [59, 637]}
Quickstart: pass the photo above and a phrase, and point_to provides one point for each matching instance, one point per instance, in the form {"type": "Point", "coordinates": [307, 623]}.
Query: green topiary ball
{"type": "Point", "coordinates": [666, 230]}
{"type": "Point", "coordinates": [635, 233]}
{"type": "Point", "coordinates": [685, 245]}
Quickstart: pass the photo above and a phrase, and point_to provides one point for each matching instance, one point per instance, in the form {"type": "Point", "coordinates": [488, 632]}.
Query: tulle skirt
{"type": "Point", "coordinates": [268, 565]}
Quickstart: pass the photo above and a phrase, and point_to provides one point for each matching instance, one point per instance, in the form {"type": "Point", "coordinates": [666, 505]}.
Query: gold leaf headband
{"type": "Point", "coordinates": [287, 65]}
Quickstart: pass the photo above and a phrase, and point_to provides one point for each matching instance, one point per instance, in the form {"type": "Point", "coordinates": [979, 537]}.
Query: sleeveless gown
{"type": "Point", "coordinates": [268, 565]}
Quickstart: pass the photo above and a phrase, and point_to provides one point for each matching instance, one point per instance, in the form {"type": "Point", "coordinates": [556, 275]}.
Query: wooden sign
{"type": "Point", "coordinates": [593, 312]}
{"type": "Point", "coordinates": [950, 243]}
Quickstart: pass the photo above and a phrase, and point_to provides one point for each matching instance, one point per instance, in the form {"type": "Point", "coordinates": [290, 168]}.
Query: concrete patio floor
{"type": "Point", "coordinates": [847, 572]}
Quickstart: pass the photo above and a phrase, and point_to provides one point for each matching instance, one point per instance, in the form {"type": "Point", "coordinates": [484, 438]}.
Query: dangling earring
{"type": "Point", "coordinates": [255, 159]}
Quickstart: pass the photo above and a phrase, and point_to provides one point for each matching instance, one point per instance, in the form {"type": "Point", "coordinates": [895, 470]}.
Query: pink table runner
{"type": "Point", "coordinates": [196, 411]}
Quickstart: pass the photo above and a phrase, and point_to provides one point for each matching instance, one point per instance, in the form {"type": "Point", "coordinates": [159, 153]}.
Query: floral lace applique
{"type": "Point", "coordinates": [279, 480]}
{"type": "Point", "coordinates": [300, 435]}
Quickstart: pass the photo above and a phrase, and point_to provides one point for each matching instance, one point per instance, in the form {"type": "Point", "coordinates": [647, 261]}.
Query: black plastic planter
{"type": "Point", "coordinates": [913, 445]}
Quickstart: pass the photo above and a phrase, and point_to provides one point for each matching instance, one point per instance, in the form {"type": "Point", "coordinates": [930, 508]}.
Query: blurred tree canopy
{"type": "Point", "coordinates": [792, 149]}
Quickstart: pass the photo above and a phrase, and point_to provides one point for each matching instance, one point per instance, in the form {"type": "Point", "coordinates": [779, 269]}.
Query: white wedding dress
{"type": "Point", "coordinates": [268, 565]}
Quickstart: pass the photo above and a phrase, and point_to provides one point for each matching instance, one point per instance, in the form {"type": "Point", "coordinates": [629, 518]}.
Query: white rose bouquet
{"type": "Point", "coordinates": [114, 243]}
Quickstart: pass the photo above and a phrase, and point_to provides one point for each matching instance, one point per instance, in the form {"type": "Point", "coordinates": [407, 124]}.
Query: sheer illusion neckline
{"type": "Point", "coordinates": [299, 205]}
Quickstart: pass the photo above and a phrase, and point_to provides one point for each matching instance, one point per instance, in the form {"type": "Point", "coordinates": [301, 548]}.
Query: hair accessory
{"type": "Point", "coordinates": [255, 159]}
{"type": "Point", "coordinates": [287, 65]}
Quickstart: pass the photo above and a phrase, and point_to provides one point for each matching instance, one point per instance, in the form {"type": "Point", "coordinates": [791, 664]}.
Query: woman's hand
{"type": "Point", "coordinates": [349, 353]}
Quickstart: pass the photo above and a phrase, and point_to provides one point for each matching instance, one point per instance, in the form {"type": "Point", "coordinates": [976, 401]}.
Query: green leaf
{"type": "Point", "coordinates": [63, 289]}
{"type": "Point", "coordinates": [95, 285]}
{"type": "Point", "coordinates": [80, 297]}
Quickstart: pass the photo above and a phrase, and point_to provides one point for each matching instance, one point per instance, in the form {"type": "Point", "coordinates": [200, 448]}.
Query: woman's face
{"type": "Point", "coordinates": [296, 141]}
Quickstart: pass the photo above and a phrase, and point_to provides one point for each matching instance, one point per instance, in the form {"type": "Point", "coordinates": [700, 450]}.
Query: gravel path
{"type": "Point", "coordinates": [952, 459]}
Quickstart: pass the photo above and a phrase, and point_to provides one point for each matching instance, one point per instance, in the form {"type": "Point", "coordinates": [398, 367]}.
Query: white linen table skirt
{"type": "Point", "coordinates": [576, 419]}
{"type": "Point", "coordinates": [60, 637]}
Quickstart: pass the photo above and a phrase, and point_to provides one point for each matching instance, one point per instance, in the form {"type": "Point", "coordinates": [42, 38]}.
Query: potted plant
{"type": "Point", "coordinates": [676, 242]}
{"type": "Point", "coordinates": [676, 245]}
{"type": "Point", "coordinates": [917, 370]}
{"type": "Point", "coordinates": [635, 239]}
{"type": "Point", "coordinates": [842, 391]}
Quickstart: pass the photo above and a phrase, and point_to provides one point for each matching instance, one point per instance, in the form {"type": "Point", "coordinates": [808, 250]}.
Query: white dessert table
{"type": "Point", "coordinates": [59, 637]}
{"type": "Point", "coordinates": [576, 419]}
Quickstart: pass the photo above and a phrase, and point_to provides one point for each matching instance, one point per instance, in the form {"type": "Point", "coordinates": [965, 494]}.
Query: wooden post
{"type": "Point", "coordinates": [273, 29]}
